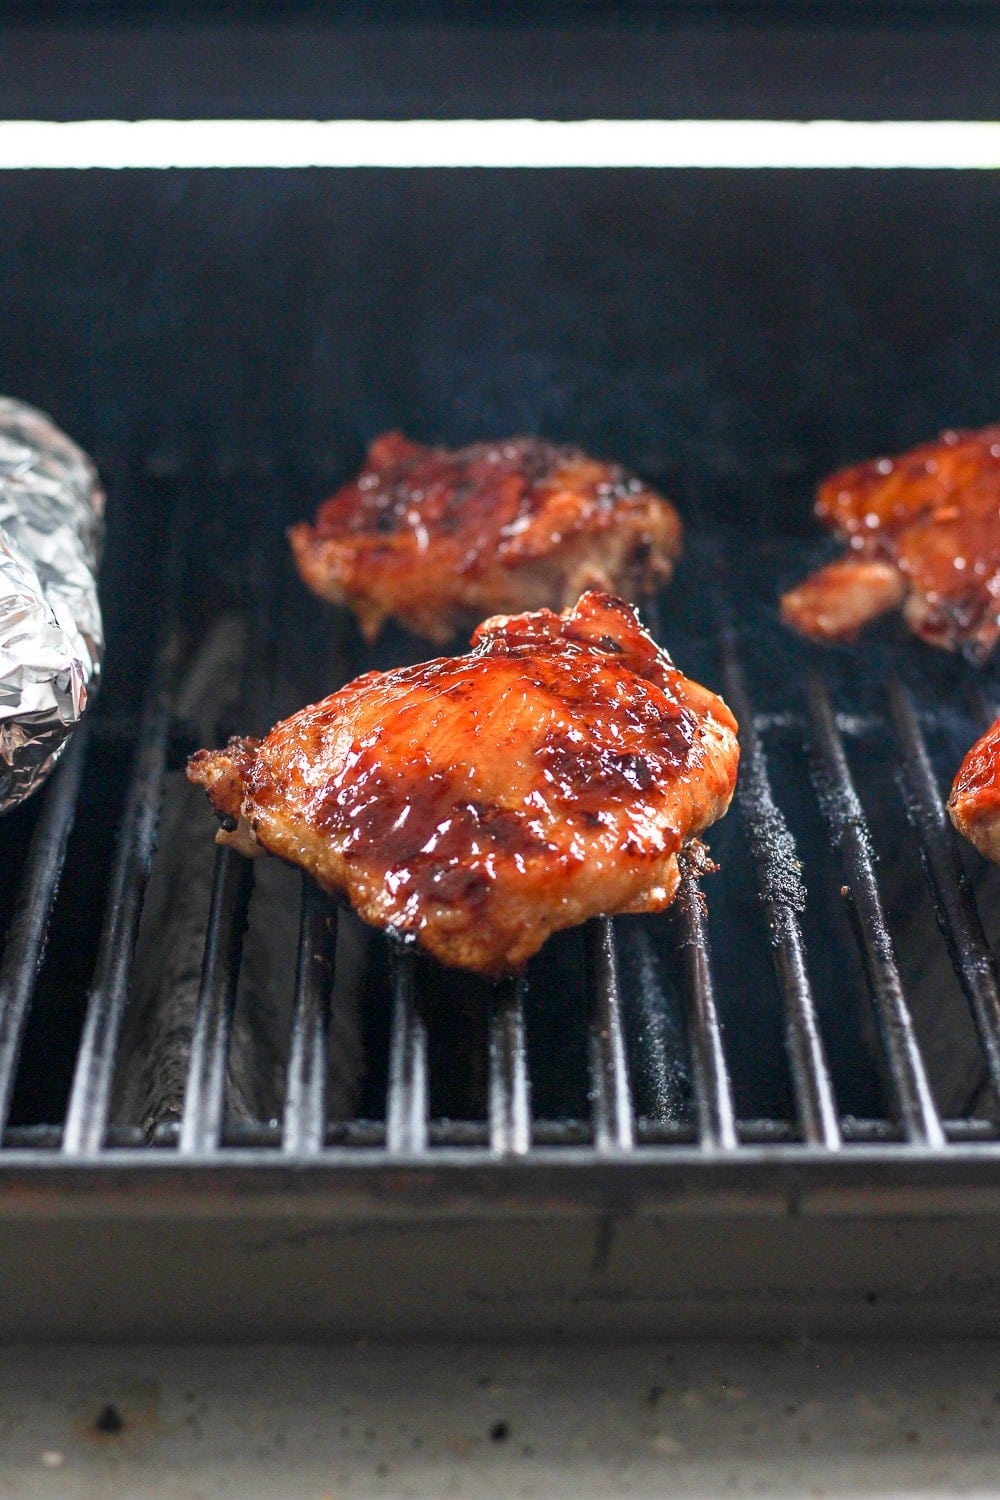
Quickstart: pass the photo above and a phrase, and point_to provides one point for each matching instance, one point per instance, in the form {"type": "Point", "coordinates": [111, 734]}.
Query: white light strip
{"type": "Point", "coordinates": [934, 144]}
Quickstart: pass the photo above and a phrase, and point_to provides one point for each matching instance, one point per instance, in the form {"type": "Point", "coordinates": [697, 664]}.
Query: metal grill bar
{"type": "Point", "coordinates": [22, 956]}
{"type": "Point", "coordinates": [954, 902]}
{"type": "Point", "coordinates": [205, 1090]}
{"type": "Point", "coordinates": [783, 898]}
{"type": "Point", "coordinates": [90, 1096]}
{"type": "Point", "coordinates": [408, 1095]}
{"type": "Point", "coordinates": [509, 1085]}
{"type": "Point", "coordinates": [474, 1134]}
{"type": "Point", "coordinates": [842, 809]}
{"type": "Point", "coordinates": [304, 1129]}
{"type": "Point", "coordinates": [713, 1089]}
{"type": "Point", "coordinates": [610, 1093]}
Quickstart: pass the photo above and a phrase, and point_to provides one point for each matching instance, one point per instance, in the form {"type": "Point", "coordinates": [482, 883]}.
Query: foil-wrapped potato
{"type": "Point", "coordinates": [51, 637]}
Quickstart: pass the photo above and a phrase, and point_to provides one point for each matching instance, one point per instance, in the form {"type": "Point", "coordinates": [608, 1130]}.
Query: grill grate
{"type": "Point", "coordinates": [305, 1097]}
{"type": "Point", "coordinates": [509, 1086]}
{"type": "Point", "coordinates": [621, 1046]}
{"type": "Point", "coordinates": [850, 834]}
{"type": "Point", "coordinates": [712, 1084]}
{"type": "Point", "coordinates": [205, 1096]}
{"type": "Point", "coordinates": [611, 1097]}
{"type": "Point", "coordinates": [29, 919]}
{"type": "Point", "coordinates": [406, 1107]}
{"type": "Point", "coordinates": [87, 1115]}
{"type": "Point", "coordinates": [955, 905]}
{"type": "Point", "coordinates": [783, 897]}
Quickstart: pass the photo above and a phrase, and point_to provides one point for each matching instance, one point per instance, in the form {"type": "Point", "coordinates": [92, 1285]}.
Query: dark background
{"type": "Point", "coordinates": [755, 326]}
{"type": "Point", "coordinates": [905, 60]}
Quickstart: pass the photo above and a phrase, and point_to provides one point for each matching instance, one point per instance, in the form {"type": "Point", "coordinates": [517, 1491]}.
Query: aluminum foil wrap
{"type": "Point", "coordinates": [51, 638]}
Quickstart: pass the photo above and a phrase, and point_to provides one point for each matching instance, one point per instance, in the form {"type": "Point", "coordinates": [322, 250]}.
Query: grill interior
{"type": "Point", "coordinates": [832, 985]}
{"type": "Point", "coordinates": [774, 1108]}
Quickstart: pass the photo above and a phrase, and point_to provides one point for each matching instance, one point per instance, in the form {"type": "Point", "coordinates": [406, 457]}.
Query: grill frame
{"type": "Point", "coordinates": [777, 1241]}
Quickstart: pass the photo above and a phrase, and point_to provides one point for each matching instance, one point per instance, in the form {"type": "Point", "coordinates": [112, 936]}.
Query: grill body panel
{"type": "Point", "coordinates": [765, 1246]}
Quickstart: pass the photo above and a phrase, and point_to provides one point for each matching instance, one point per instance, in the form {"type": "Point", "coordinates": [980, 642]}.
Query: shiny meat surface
{"type": "Point", "coordinates": [476, 804]}
{"type": "Point", "coordinates": [924, 534]}
{"type": "Point", "coordinates": [440, 539]}
{"type": "Point", "coordinates": [974, 804]}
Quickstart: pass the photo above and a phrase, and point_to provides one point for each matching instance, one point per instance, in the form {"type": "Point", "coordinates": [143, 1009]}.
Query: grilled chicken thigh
{"type": "Point", "coordinates": [476, 804]}
{"type": "Point", "coordinates": [441, 539]}
{"type": "Point", "coordinates": [924, 534]}
{"type": "Point", "coordinates": [974, 804]}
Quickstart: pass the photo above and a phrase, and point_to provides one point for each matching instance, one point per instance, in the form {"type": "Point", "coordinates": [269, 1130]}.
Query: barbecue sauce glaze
{"type": "Point", "coordinates": [478, 803]}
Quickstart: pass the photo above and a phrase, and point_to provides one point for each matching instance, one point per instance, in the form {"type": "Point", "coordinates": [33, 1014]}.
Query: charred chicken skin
{"type": "Point", "coordinates": [439, 540]}
{"type": "Point", "coordinates": [476, 804]}
{"type": "Point", "coordinates": [924, 534]}
{"type": "Point", "coordinates": [974, 804]}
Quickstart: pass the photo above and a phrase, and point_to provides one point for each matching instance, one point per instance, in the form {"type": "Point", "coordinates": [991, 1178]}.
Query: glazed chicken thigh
{"type": "Point", "coordinates": [974, 804]}
{"type": "Point", "coordinates": [476, 804]}
{"type": "Point", "coordinates": [924, 535]}
{"type": "Point", "coordinates": [439, 540]}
